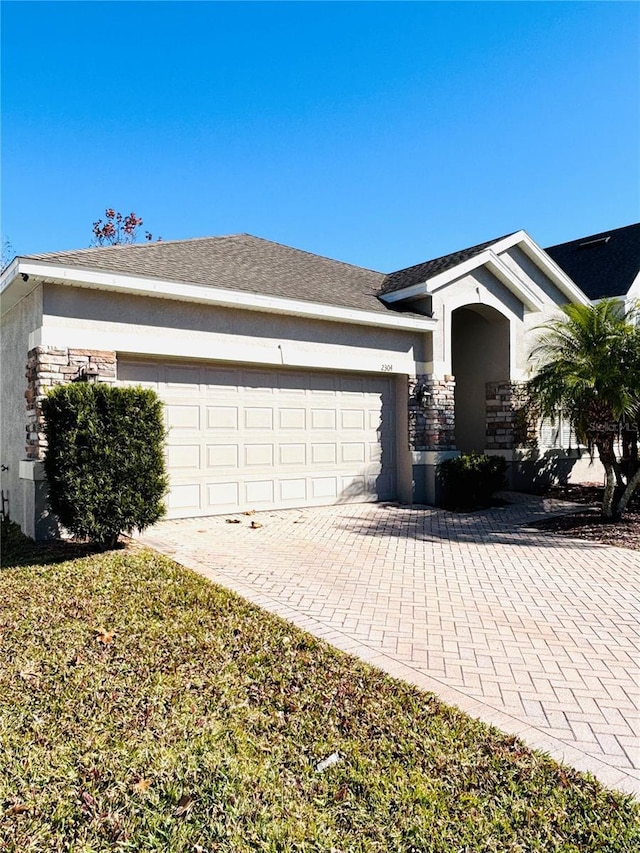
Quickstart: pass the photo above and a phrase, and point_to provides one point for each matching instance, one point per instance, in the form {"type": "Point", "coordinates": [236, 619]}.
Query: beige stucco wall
{"type": "Point", "coordinates": [477, 288]}
{"type": "Point", "coordinates": [16, 326]}
{"type": "Point", "coordinates": [137, 325]}
{"type": "Point", "coordinates": [480, 339]}
{"type": "Point", "coordinates": [481, 287]}
{"type": "Point", "coordinates": [526, 270]}
{"type": "Point", "coordinates": [132, 324]}
{"type": "Point", "coordinates": [404, 465]}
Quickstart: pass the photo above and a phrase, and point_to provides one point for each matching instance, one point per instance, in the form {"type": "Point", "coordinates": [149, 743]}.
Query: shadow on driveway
{"type": "Point", "coordinates": [506, 525]}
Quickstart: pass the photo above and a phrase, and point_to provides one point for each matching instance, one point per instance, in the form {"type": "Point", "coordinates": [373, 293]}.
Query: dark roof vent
{"type": "Point", "coordinates": [609, 272]}
{"type": "Point", "coordinates": [599, 241]}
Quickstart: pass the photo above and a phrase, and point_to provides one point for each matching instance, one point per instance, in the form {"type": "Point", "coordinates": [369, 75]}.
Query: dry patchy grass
{"type": "Point", "coordinates": [144, 709]}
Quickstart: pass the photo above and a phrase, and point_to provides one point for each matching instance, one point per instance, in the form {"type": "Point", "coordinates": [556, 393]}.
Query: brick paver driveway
{"type": "Point", "coordinates": [535, 633]}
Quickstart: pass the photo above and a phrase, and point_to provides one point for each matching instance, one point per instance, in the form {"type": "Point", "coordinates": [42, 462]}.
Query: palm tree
{"type": "Point", "coordinates": [588, 367]}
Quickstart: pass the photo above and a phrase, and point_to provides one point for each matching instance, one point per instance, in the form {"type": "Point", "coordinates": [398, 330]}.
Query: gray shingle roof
{"type": "Point", "coordinates": [237, 262]}
{"type": "Point", "coordinates": [603, 264]}
{"type": "Point", "coordinates": [422, 272]}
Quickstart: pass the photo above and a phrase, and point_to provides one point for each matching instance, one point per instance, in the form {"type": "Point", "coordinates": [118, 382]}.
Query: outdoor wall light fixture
{"type": "Point", "coordinates": [87, 373]}
{"type": "Point", "coordinates": [421, 394]}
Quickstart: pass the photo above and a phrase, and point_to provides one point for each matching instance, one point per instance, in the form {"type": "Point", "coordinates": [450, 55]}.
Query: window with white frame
{"type": "Point", "coordinates": [556, 433]}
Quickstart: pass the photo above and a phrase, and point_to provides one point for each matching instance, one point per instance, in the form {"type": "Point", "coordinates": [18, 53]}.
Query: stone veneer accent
{"type": "Point", "coordinates": [431, 413]}
{"type": "Point", "coordinates": [49, 366]}
{"type": "Point", "coordinates": [507, 423]}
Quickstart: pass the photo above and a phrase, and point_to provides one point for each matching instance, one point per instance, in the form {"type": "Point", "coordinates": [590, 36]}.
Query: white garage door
{"type": "Point", "coordinates": [252, 438]}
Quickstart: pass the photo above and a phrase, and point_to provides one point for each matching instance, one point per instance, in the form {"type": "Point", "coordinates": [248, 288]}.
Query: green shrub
{"type": "Point", "coordinates": [105, 459]}
{"type": "Point", "coordinates": [470, 480]}
{"type": "Point", "coordinates": [12, 541]}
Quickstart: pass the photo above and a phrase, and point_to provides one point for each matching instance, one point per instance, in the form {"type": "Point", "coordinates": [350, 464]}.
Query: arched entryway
{"type": "Point", "coordinates": [480, 354]}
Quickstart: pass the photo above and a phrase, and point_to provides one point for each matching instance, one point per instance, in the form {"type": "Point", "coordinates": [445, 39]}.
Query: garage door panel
{"type": "Point", "coordinates": [258, 418]}
{"type": "Point", "coordinates": [259, 382]}
{"type": "Point", "coordinates": [223, 496]}
{"type": "Point", "coordinates": [352, 419]}
{"type": "Point", "coordinates": [352, 386]}
{"type": "Point", "coordinates": [243, 438]}
{"type": "Point", "coordinates": [354, 451]}
{"type": "Point", "coordinates": [374, 419]}
{"type": "Point", "coordinates": [184, 496]}
{"type": "Point", "coordinates": [323, 385]}
{"type": "Point", "coordinates": [353, 487]}
{"type": "Point", "coordinates": [293, 490]}
{"type": "Point", "coordinates": [324, 487]}
{"type": "Point", "coordinates": [220, 378]}
{"type": "Point", "coordinates": [324, 453]}
{"type": "Point", "coordinates": [323, 419]}
{"type": "Point", "coordinates": [182, 379]}
{"type": "Point", "coordinates": [293, 454]}
{"type": "Point", "coordinates": [222, 456]}
{"type": "Point", "coordinates": [138, 373]}
{"type": "Point", "coordinates": [293, 419]}
{"type": "Point", "coordinates": [259, 454]}
{"type": "Point", "coordinates": [184, 457]}
{"type": "Point", "coordinates": [260, 492]}
{"type": "Point", "coordinates": [293, 383]}
{"type": "Point", "coordinates": [183, 417]}
{"type": "Point", "coordinates": [223, 417]}
{"type": "Point", "coordinates": [375, 452]}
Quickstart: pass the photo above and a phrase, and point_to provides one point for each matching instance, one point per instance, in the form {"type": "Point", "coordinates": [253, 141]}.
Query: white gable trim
{"type": "Point", "coordinates": [223, 297]}
{"type": "Point", "coordinates": [488, 259]}
{"type": "Point", "coordinates": [551, 269]}
{"type": "Point", "coordinates": [634, 290]}
{"type": "Point", "coordinates": [491, 259]}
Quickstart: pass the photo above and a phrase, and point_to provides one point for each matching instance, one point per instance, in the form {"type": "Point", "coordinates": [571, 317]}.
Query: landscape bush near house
{"type": "Point", "coordinates": [105, 459]}
{"type": "Point", "coordinates": [471, 480]}
{"type": "Point", "coordinates": [587, 365]}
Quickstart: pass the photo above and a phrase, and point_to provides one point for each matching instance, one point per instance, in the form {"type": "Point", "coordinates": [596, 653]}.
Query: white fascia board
{"type": "Point", "coordinates": [514, 283]}
{"type": "Point", "coordinates": [223, 297]}
{"type": "Point", "coordinates": [9, 274]}
{"type": "Point", "coordinates": [487, 258]}
{"type": "Point", "coordinates": [550, 268]}
{"type": "Point", "coordinates": [490, 255]}
{"type": "Point", "coordinates": [13, 287]}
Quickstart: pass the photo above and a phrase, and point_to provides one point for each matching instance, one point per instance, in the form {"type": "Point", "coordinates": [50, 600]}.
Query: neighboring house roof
{"type": "Point", "coordinates": [604, 264]}
{"type": "Point", "coordinates": [422, 272]}
{"type": "Point", "coordinates": [238, 262]}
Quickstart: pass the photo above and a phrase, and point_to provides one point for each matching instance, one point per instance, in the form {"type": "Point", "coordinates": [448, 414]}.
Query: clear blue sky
{"type": "Point", "coordinates": [382, 134]}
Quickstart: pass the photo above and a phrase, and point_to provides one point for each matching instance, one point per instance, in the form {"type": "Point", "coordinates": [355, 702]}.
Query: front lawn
{"type": "Point", "coordinates": [144, 709]}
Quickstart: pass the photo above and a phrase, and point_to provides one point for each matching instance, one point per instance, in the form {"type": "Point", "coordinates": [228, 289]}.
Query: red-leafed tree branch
{"type": "Point", "coordinates": [117, 228]}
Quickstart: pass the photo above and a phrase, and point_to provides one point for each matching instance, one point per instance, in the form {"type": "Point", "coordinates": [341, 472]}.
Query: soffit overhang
{"type": "Point", "coordinates": [23, 275]}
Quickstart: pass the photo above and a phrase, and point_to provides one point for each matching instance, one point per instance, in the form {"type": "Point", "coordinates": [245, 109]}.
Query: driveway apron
{"type": "Point", "coordinates": [534, 633]}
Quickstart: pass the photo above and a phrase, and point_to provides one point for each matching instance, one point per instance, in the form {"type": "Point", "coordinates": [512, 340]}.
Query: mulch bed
{"type": "Point", "coordinates": [588, 524]}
